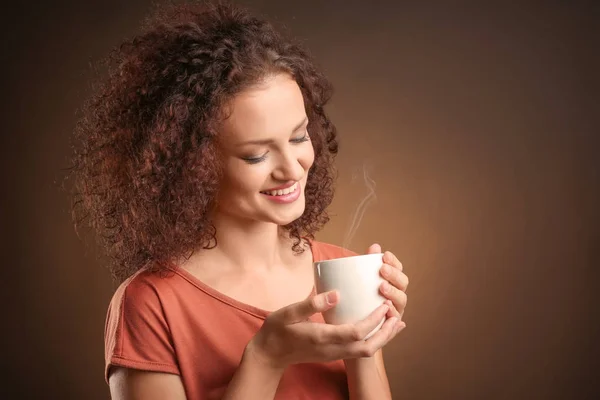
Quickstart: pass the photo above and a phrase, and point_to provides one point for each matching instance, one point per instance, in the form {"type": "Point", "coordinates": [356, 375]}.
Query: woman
{"type": "Point", "coordinates": [205, 164]}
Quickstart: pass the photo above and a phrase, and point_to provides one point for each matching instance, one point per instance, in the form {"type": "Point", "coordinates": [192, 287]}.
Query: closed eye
{"type": "Point", "coordinates": [256, 160]}
{"type": "Point", "coordinates": [301, 139]}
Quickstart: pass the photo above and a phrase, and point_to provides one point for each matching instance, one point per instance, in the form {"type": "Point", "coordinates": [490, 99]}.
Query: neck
{"type": "Point", "coordinates": [250, 245]}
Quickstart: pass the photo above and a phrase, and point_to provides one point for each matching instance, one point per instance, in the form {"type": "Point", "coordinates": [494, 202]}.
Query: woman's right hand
{"type": "Point", "coordinates": [286, 336]}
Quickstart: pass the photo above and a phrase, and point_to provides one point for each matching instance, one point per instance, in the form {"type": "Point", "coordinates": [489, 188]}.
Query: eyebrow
{"type": "Point", "coordinates": [268, 141]}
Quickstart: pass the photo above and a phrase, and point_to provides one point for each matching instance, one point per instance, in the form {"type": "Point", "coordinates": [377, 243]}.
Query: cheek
{"type": "Point", "coordinates": [246, 178]}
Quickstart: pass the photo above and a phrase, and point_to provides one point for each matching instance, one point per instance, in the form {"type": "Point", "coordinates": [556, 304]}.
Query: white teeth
{"type": "Point", "coordinates": [283, 191]}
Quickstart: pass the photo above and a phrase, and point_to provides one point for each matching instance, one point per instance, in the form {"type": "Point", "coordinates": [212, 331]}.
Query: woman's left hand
{"type": "Point", "coordinates": [394, 287]}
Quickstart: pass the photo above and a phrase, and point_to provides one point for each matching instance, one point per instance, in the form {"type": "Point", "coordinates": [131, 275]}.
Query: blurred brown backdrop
{"type": "Point", "coordinates": [478, 123]}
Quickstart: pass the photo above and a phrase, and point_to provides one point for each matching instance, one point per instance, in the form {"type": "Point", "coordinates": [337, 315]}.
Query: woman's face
{"type": "Point", "coordinates": [267, 153]}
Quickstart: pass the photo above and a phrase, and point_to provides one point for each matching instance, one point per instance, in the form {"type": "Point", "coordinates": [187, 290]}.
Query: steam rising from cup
{"type": "Point", "coordinates": [360, 210]}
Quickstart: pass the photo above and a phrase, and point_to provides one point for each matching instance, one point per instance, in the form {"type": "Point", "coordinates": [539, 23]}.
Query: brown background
{"type": "Point", "coordinates": [478, 124]}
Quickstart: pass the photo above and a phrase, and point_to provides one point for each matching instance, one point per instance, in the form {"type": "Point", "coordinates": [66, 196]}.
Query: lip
{"type": "Point", "coordinates": [286, 198]}
{"type": "Point", "coordinates": [284, 186]}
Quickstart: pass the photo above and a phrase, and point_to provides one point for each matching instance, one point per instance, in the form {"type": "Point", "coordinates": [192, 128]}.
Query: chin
{"type": "Point", "coordinates": [287, 218]}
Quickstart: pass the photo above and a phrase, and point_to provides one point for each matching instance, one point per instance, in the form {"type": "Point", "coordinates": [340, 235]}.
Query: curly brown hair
{"type": "Point", "coordinates": [145, 164]}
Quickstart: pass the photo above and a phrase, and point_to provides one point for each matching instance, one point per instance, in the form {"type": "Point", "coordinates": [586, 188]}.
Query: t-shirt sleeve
{"type": "Point", "coordinates": [137, 334]}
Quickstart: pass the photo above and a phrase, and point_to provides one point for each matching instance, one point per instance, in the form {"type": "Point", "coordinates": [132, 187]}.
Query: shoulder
{"type": "Point", "coordinates": [143, 296]}
{"type": "Point", "coordinates": [326, 251]}
{"type": "Point", "coordinates": [144, 287]}
{"type": "Point", "coordinates": [137, 332]}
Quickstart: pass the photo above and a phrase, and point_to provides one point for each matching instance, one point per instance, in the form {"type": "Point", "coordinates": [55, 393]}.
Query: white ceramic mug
{"type": "Point", "coordinates": [357, 280]}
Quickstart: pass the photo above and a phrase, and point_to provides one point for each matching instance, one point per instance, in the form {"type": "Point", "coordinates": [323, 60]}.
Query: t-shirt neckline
{"type": "Point", "coordinates": [250, 309]}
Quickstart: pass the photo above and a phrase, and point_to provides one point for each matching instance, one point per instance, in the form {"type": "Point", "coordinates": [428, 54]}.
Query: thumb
{"type": "Point", "coordinates": [302, 310]}
{"type": "Point", "coordinates": [374, 249]}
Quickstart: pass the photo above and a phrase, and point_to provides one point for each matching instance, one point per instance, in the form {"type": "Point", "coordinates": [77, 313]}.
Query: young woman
{"type": "Point", "coordinates": [205, 164]}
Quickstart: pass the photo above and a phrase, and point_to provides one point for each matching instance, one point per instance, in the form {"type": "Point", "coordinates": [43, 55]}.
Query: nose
{"type": "Point", "coordinates": [289, 167]}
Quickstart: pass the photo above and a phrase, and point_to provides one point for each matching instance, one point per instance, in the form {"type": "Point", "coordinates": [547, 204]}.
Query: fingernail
{"type": "Point", "coordinates": [330, 298]}
{"type": "Point", "coordinates": [385, 269]}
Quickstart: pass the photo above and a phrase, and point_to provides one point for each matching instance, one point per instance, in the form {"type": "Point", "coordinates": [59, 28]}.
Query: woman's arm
{"type": "Point", "coordinates": [367, 378]}
{"type": "Point", "coordinates": [252, 380]}
{"type": "Point", "coordinates": [133, 384]}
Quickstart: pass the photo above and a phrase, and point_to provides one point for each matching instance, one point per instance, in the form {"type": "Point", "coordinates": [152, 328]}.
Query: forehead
{"type": "Point", "coordinates": [267, 111]}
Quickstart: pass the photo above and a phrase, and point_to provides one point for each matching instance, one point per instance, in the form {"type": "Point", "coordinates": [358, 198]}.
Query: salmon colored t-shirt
{"type": "Point", "coordinates": [176, 324]}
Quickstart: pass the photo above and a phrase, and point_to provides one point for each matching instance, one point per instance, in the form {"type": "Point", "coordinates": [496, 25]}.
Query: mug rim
{"type": "Point", "coordinates": [332, 260]}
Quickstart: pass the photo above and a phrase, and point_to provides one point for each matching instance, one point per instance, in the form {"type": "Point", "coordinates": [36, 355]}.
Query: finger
{"type": "Point", "coordinates": [392, 312]}
{"type": "Point", "coordinates": [398, 297]}
{"type": "Point", "coordinates": [387, 332]}
{"type": "Point", "coordinates": [391, 259]}
{"type": "Point", "coordinates": [362, 328]}
{"type": "Point", "coordinates": [394, 276]}
{"type": "Point", "coordinates": [374, 249]}
{"type": "Point", "coordinates": [367, 325]}
{"type": "Point", "coordinates": [301, 311]}
{"type": "Point", "coordinates": [347, 333]}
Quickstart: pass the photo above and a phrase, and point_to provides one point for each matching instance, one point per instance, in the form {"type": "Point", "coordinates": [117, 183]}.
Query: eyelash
{"type": "Point", "coordinates": [262, 158]}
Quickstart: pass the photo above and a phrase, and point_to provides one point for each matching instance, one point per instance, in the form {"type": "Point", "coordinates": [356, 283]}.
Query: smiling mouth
{"type": "Point", "coordinates": [282, 192]}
